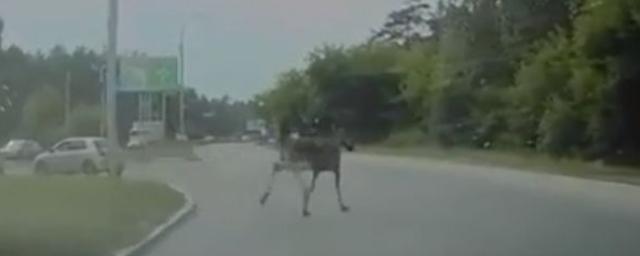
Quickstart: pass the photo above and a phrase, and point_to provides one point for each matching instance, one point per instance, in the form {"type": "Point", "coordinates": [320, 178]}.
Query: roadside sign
{"type": "Point", "coordinates": [148, 74]}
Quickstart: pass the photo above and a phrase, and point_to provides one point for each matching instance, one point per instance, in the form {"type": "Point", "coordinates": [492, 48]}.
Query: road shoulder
{"type": "Point", "coordinates": [516, 162]}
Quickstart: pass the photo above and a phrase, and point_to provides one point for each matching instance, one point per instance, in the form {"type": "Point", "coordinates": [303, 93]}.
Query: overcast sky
{"type": "Point", "coordinates": [234, 47]}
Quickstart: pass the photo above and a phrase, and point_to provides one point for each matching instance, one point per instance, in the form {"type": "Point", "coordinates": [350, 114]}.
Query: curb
{"type": "Point", "coordinates": [188, 208]}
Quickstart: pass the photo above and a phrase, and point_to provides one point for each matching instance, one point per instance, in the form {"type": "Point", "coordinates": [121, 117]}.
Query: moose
{"type": "Point", "coordinates": [318, 151]}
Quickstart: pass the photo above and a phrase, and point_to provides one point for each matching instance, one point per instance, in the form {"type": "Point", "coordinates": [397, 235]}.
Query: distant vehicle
{"type": "Point", "coordinates": [139, 139]}
{"type": "Point", "coordinates": [75, 155]}
{"type": "Point", "coordinates": [21, 149]}
{"type": "Point", "coordinates": [144, 133]}
{"type": "Point", "coordinates": [182, 137]}
{"type": "Point", "coordinates": [250, 136]}
{"type": "Point", "coordinates": [209, 139]}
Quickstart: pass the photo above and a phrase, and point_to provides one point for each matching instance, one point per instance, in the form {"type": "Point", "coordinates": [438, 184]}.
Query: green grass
{"type": "Point", "coordinates": [79, 215]}
{"type": "Point", "coordinates": [522, 160]}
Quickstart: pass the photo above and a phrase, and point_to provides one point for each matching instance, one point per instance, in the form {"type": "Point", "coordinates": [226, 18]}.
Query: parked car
{"type": "Point", "coordinates": [75, 155]}
{"type": "Point", "coordinates": [143, 134]}
{"type": "Point", "coordinates": [21, 149]}
{"type": "Point", "coordinates": [138, 139]}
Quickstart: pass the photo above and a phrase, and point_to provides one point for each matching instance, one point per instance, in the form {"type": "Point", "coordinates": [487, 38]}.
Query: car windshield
{"type": "Point", "coordinates": [320, 127]}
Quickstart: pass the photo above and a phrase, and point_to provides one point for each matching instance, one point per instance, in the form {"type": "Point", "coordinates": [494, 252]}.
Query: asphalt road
{"type": "Point", "coordinates": [400, 206]}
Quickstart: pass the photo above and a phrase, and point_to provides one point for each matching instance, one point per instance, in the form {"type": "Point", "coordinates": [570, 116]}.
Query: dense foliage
{"type": "Point", "coordinates": [557, 76]}
{"type": "Point", "coordinates": [32, 93]}
{"type": "Point", "coordinates": [215, 116]}
{"type": "Point", "coordinates": [32, 98]}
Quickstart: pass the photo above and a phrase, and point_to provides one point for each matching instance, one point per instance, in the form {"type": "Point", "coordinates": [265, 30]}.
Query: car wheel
{"type": "Point", "coordinates": [89, 168]}
{"type": "Point", "coordinates": [117, 172]}
{"type": "Point", "coordinates": [41, 168]}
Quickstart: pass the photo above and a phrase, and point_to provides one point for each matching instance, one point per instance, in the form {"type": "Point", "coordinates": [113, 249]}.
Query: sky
{"type": "Point", "coordinates": [233, 47]}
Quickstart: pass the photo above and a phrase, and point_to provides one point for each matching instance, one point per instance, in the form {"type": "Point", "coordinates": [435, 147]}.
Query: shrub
{"type": "Point", "coordinates": [413, 136]}
{"type": "Point", "coordinates": [84, 121]}
{"type": "Point", "coordinates": [561, 129]}
{"type": "Point", "coordinates": [450, 122]}
{"type": "Point", "coordinates": [42, 115]}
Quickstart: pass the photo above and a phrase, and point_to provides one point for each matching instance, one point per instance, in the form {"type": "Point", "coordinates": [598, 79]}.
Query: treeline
{"type": "Point", "coordinates": [33, 97]}
{"type": "Point", "coordinates": [555, 76]}
{"type": "Point", "coordinates": [32, 93]}
{"type": "Point", "coordinates": [217, 116]}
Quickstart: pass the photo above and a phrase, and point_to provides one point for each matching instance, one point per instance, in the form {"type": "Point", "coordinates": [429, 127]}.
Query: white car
{"type": "Point", "coordinates": [145, 133]}
{"type": "Point", "coordinates": [21, 149]}
{"type": "Point", "coordinates": [75, 155]}
{"type": "Point", "coordinates": [138, 139]}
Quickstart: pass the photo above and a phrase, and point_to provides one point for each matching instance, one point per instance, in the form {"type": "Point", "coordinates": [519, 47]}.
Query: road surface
{"type": "Point", "coordinates": [400, 206]}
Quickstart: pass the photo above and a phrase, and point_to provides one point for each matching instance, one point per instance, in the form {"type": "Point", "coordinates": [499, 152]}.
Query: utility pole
{"type": "Point", "coordinates": [103, 98]}
{"type": "Point", "coordinates": [182, 89]}
{"type": "Point", "coordinates": [111, 92]}
{"type": "Point", "coordinates": [67, 99]}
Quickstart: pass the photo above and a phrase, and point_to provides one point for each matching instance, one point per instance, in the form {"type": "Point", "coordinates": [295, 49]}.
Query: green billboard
{"type": "Point", "coordinates": [148, 74]}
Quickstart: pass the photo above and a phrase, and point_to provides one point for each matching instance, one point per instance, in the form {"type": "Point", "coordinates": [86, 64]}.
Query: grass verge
{"type": "Point", "coordinates": [527, 161]}
{"type": "Point", "coordinates": [79, 215]}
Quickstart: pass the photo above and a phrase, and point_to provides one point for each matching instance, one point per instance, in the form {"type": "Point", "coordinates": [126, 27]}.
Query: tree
{"type": "Point", "coordinates": [6, 105]}
{"type": "Point", "coordinates": [557, 76]}
{"type": "Point", "coordinates": [414, 23]}
{"type": "Point", "coordinates": [85, 120]}
{"type": "Point", "coordinates": [541, 78]}
{"type": "Point", "coordinates": [418, 65]}
{"type": "Point", "coordinates": [455, 78]}
{"type": "Point", "coordinates": [43, 115]}
{"type": "Point", "coordinates": [1, 30]}
{"type": "Point", "coordinates": [23, 74]}
{"type": "Point", "coordinates": [291, 99]}
{"type": "Point", "coordinates": [607, 34]}
{"type": "Point", "coordinates": [578, 86]}
{"type": "Point", "coordinates": [334, 77]}
{"type": "Point", "coordinates": [528, 21]}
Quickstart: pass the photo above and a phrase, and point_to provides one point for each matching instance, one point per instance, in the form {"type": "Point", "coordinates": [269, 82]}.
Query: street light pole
{"type": "Point", "coordinates": [112, 55]}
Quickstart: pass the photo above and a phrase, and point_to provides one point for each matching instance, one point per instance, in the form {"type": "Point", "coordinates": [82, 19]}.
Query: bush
{"type": "Point", "coordinates": [561, 129]}
{"type": "Point", "coordinates": [450, 122]}
{"type": "Point", "coordinates": [84, 121]}
{"type": "Point", "coordinates": [544, 75]}
{"type": "Point", "coordinates": [43, 118]}
{"type": "Point", "coordinates": [42, 115]}
{"type": "Point", "coordinates": [408, 137]}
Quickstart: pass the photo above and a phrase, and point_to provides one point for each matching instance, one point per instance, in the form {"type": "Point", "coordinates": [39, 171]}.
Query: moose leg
{"type": "Point", "coordinates": [303, 187]}
{"type": "Point", "coordinates": [276, 169]}
{"type": "Point", "coordinates": [307, 194]}
{"type": "Point", "coordinates": [343, 207]}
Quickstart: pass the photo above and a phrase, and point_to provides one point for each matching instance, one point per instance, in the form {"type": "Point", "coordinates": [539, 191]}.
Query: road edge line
{"type": "Point", "coordinates": [160, 230]}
